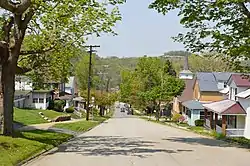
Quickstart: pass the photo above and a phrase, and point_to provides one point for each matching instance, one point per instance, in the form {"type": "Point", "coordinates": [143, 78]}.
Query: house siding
{"type": "Point", "coordinates": [43, 96]}
{"type": "Point", "coordinates": [211, 96]}
{"type": "Point", "coordinates": [196, 93]}
{"type": "Point", "coordinates": [176, 106]}
{"type": "Point", "coordinates": [185, 76]}
{"type": "Point", "coordinates": [195, 115]}
{"type": "Point", "coordinates": [240, 121]}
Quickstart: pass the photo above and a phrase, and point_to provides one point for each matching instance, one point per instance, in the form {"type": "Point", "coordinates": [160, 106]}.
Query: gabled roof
{"type": "Point", "coordinates": [193, 105]}
{"type": "Point", "coordinates": [186, 72]}
{"type": "Point", "coordinates": [222, 76]}
{"type": "Point", "coordinates": [240, 80]}
{"type": "Point", "coordinates": [245, 94]}
{"type": "Point", "coordinates": [207, 82]}
{"type": "Point", "coordinates": [225, 107]}
{"type": "Point", "coordinates": [187, 93]}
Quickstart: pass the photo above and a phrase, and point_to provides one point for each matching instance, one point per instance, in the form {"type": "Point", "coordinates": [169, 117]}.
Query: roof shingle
{"type": "Point", "coordinates": [187, 93]}
{"type": "Point", "coordinates": [240, 80]}
{"type": "Point", "coordinates": [225, 107]}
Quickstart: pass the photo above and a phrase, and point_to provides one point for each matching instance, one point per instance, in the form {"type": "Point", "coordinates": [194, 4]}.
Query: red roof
{"type": "Point", "coordinates": [225, 107]}
{"type": "Point", "coordinates": [187, 93]}
{"type": "Point", "coordinates": [241, 80]}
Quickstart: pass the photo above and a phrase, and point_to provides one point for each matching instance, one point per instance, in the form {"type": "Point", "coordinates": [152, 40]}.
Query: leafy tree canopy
{"type": "Point", "coordinates": [222, 26]}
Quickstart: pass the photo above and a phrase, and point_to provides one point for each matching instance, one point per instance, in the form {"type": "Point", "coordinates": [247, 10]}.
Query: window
{"type": "Point", "coordinates": [235, 93]}
{"type": "Point", "coordinates": [202, 115]}
{"type": "Point", "coordinates": [231, 121]}
{"type": "Point", "coordinates": [41, 100]}
{"type": "Point", "coordinates": [225, 84]}
{"type": "Point", "coordinates": [35, 100]}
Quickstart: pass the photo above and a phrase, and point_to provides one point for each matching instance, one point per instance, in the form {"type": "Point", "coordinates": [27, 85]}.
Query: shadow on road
{"type": "Point", "coordinates": [199, 140]}
{"type": "Point", "coordinates": [113, 145]}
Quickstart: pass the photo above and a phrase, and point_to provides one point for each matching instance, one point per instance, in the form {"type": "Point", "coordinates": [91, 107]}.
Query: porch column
{"type": "Point", "coordinates": [224, 124]}
{"type": "Point", "coordinates": [205, 113]}
{"type": "Point", "coordinates": [215, 120]}
{"type": "Point", "coordinates": [211, 119]}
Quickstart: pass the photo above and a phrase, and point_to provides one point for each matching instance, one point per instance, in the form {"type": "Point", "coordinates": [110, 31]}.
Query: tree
{"type": "Point", "coordinates": [221, 26]}
{"type": "Point", "coordinates": [31, 28]}
{"type": "Point", "coordinates": [153, 82]}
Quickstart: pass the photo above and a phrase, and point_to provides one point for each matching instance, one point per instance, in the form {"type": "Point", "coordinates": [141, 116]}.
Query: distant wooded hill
{"type": "Point", "coordinates": [207, 63]}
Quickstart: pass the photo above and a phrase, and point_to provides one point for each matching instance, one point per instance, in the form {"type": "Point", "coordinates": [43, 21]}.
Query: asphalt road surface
{"type": "Point", "coordinates": [128, 141]}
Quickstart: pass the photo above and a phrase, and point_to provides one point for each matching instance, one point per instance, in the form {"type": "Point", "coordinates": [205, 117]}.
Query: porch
{"type": "Point", "coordinates": [226, 117]}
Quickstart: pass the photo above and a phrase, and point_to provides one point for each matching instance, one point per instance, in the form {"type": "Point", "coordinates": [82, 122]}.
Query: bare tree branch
{"type": "Point", "coordinates": [16, 8]}
{"type": "Point", "coordinates": [244, 9]}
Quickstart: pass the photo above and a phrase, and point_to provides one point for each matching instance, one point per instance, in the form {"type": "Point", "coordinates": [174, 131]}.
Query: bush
{"type": "Point", "coordinates": [51, 105]}
{"type": "Point", "coordinates": [58, 105]}
{"type": "Point", "coordinates": [176, 117]}
{"type": "Point", "coordinates": [62, 118]}
{"type": "Point", "coordinates": [199, 122]}
{"type": "Point", "coordinates": [70, 110]}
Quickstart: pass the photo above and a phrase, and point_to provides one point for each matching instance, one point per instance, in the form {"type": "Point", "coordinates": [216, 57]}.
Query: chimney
{"type": "Point", "coordinates": [185, 67]}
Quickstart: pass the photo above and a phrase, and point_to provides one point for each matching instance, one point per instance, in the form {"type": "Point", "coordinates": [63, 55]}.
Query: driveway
{"type": "Point", "coordinates": [127, 141]}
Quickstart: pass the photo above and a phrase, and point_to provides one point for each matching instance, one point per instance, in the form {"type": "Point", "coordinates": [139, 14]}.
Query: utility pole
{"type": "Point", "coordinates": [89, 77]}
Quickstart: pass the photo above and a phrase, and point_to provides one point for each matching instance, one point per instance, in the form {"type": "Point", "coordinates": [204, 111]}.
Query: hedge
{"type": "Point", "coordinates": [199, 122]}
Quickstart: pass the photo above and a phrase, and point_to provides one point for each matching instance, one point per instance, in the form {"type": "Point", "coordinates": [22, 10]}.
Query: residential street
{"type": "Point", "coordinates": [125, 141]}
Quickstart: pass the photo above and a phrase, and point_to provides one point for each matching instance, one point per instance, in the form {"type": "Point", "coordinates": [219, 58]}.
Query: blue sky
{"type": "Point", "coordinates": [142, 31]}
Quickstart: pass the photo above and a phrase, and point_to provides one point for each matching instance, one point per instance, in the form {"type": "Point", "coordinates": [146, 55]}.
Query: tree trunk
{"type": "Point", "coordinates": [8, 85]}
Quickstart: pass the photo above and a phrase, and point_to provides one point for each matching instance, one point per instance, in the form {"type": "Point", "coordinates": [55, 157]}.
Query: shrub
{"type": "Point", "coordinates": [58, 105]}
{"type": "Point", "coordinates": [182, 119]}
{"type": "Point", "coordinates": [176, 117]}
{"type": "Point", "coordinates": [199, 122]}
{"type": "Point", "coordinates": [70, 110]}
{"type": "Point", "coordinates": [51, 105]}
{"type": "Point", "coordinates": [62, 118]}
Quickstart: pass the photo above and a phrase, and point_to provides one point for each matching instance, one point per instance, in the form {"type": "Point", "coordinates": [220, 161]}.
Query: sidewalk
{"type": "Point", "coordinates": [49, 127]}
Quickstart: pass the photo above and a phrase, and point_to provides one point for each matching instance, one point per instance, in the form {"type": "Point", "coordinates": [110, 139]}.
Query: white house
{"type": "Point", "coordinates": [70, 87]}
{"type": "Point", "coordinates": [186, 73]}
{"type": "Point", "coordinates": [232, 115]}
{"type": "Point", "coordinates": [26, 97]}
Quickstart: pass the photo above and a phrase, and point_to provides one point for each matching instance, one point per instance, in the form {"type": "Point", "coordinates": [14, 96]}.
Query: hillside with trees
{"type": "Point", "coordinates": [197, 63]}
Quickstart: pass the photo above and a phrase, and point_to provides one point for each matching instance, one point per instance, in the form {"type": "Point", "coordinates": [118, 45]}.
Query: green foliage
{"type": "Point", "coordinates": [58, 105]}
{"type": "Point", "coordinates": [82, 70]}
{"type": "Point", "coordinates": [176, 117]}
{"type": "Point", "coordinates": [221, 26]}
{"type": "Point", "coordinates": [56, 33]}
{"type": "Point", "coordinates": [151, 82]}
{"type": "Point", "coordinates": [199, 122]}
{"type": "Point", "coordinates": [70, 110]}
{"type": "Point", "coordinates": [26, 144]}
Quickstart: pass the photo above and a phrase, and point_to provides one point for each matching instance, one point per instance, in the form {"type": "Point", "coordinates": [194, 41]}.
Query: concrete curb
{"type": "Point", "coordinates": [54, 149]}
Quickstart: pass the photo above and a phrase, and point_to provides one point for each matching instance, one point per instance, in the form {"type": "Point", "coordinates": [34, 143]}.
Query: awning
{"type": "Point", "coordinates": [244, 94]}
{"type": "Point", "coordinates": [66, 97]}
{"type": "Point", "coordinates": [225, 107]}
{"type": "Point", "coordinates": [224, 91]}
{"type": "Point", "coordinates": [80, 99]}
{"type": "Point", "coordinates": [193, 105]}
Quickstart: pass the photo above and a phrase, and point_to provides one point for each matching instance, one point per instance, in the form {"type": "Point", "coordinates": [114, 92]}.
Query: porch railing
{"type": "Point", "coordinates": [218, 129]}
{"type": "Point", "coordinates": [235, 132]}
{"type": "Point", "coordinates": [207, 123]}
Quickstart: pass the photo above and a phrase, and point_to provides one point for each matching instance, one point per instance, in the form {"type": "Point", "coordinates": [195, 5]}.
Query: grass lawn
{"type": "Point", "coordinates": [83, 125]}
{"type": "Point", "coordinates": [28, 116]}
{"type": "Point", "coordinates": [78, 126]}
{"type": "Point", "coordinates": [14, 150]}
